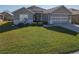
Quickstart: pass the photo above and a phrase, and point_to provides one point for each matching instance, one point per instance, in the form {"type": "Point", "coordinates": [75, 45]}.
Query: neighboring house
{"type": "Point", "coordinates": [56, 15]}
{"type": "Point", "coordinates": [1, 17]}
{"type": "Point", "coordinates": [75, 16]}
{"type": "Point", "coordinates": [8, 16]}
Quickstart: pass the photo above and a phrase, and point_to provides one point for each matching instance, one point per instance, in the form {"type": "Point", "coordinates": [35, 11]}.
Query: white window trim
{"type": "Point", "coordinates": [22, 15]}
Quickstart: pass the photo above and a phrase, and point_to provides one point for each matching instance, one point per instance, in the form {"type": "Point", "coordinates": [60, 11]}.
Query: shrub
{"type": "Point", "coordinates": [34, 24]}
{"type": "Point", "coordinates": [45, 22]}
{"type": "Point", "coordinates": [20, 25]}
{"type": "Point", "coordinates": [40, 23]}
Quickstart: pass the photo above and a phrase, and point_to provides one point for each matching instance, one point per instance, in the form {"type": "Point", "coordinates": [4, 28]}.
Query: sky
{"type": "Point", "coordinates": [15, 7]}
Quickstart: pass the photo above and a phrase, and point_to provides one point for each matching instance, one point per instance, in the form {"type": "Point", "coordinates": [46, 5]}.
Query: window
{"type": "Point", "coordinates": [23, 17]}
{"type": "Point", "coordinates": [1, 17]}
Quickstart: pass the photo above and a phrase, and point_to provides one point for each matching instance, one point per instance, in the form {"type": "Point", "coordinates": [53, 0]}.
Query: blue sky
{"type": "Point", "coordinates": [14, 7]}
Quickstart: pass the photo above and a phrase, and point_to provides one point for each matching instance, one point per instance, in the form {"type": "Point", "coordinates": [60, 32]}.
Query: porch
{"type": "Point", "coordinates": [37, 17]}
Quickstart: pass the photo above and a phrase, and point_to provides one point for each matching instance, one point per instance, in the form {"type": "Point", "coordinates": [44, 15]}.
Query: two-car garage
{"type": "Point", "coordinates": [59, 18]}
{"type": "Point", "coordinates": [60, 15]}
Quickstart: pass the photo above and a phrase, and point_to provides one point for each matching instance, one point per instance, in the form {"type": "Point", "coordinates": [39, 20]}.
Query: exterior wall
{"type": "Point", "coordinates": [24, 18]}
{"type": "Point", "coordinates": [1, 18]}
{"type": "Point", "coordinates": [7, 17]}
{"type": "Point", "coordinates": [22, 12]}
{"type": "Point", "coordinates": [75, 19]}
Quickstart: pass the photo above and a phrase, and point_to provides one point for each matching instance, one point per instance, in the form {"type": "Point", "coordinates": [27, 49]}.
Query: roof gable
{"type": "Point", "coordinates": [23, 9]}
{"type": "Point", "coordinates": [59, 9]}
{"type": "Point", "coordinates": [74, 11]}
{"type": "Point", "coordinates": [36, 9]}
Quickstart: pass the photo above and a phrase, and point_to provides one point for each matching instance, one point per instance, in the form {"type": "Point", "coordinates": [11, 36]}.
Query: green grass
{"type": "Point", "coordinates": [36, 39]}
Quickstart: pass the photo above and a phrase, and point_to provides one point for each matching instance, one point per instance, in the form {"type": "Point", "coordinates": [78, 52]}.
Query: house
{"type": "Point", "coordinates": [8, 16]}
{"type": "Point", "coordinates": [1, 17]}
{"type": "Point", "coordinates": [56, 15]}
{"type": "Point", "coordinates": [75, 16]}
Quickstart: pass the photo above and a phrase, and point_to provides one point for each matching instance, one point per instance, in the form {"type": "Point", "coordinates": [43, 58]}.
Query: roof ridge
{"type": "Point", "coordinates": [18, 9]}
{"type": "Point", "coordinates": [35, 6]}
{"type": "Point", "coordinates": [22, 8]}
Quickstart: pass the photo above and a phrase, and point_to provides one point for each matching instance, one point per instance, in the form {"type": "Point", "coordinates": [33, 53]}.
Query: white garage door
{"type": "Point", "coordinates": [59, 19]}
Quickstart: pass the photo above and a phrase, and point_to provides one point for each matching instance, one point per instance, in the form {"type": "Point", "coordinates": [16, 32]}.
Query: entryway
{"type": "Point", "coordinates": [37, 17]}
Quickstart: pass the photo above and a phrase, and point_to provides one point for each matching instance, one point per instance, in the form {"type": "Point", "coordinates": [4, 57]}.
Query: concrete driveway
{"type": "Point", "coordinates": [70, 27]}
{"type": "Point", "coordinates": [77, 52]}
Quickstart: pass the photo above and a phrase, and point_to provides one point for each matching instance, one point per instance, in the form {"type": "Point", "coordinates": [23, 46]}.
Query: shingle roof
{"type": "Point", "coordinates": [74, 11]}
{"type": "Point", "coordinates": [55, 8]}
{"type": "Point", "coordinates": [7, 13]}
{"type": "Point", "coordinates": [36, 9]}
{"type": "Point", "coordinates": [52, 9]}
{"type": "Point", "coordinates": [23, 8]}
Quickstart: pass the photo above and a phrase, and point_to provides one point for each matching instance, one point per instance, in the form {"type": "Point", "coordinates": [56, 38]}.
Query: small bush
{"type": "Point", "coordinates": [45, 22]}
{"type": "Point", "coordinates": [37, 23]}
{"type": "Point", "coordinates": [40, 23]}
{"type": "Point", "coordinates": [34, 24]}
{"type": "Point", "coordinates": [20, 25]}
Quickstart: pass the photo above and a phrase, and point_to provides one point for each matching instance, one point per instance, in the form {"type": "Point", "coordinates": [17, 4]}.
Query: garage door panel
{"type": "Point", "coordinates": [59, 19]}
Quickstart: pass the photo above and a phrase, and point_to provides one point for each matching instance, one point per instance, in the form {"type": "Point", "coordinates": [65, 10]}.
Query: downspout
{"type": "Point", "coordinates": [70, 19]}
{"type": "Point", "coordinates": [3, 17]}
{"type": "Point", "coordinates": [41, 16]}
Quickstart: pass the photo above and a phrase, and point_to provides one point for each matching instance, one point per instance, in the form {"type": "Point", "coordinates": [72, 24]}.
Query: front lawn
{"type": "Point", "coordinates": [37, 39]}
